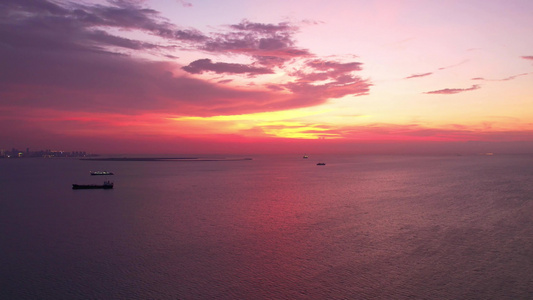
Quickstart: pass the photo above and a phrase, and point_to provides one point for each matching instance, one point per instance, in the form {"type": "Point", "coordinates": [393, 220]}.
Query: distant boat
{"type": "Point", "coordinates": [305, 156]}
{"type": "Point", "coordinates": [101, 173]}
{"type": "Point", "coordinates": [321, 164]}
{"type": "Point", "coordinates": [107, 185]}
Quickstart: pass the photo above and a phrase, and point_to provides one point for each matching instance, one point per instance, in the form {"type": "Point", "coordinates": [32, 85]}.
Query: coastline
{"type": "Point", "coordinates": [164, 159]}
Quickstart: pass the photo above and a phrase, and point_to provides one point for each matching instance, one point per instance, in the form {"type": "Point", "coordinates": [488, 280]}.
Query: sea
{"type": "Point", "coordinates": [269, 227]}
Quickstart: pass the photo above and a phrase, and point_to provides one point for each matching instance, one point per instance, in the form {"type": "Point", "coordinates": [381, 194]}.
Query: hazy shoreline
{"type": "Point", "coordinates": [164, 159]}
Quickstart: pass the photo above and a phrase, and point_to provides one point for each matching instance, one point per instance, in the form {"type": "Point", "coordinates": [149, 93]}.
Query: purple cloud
{"type": "Point", "coordinates": [323, 79]}
{"type": "Point", "coordinates": [224, 81]}
{"type": "Point", "coordinates": [453, 91]}
{"type": "Point", "coordinates": [281, 28]}
{"type": "Point", "coordinates": [528, 57]}
{"type": "Point", "coordinates": [334, 68]}
{"type": "Point", "coordinates": [206, 65]}
{"type": "Point", "coordinates": [49, 26]}
{"type": "Point", "coordinates": [61, 57]}
{"type": "Point", "coordinates": [326, 69]}
{"type": "Point", "coordinates": [267, 44]}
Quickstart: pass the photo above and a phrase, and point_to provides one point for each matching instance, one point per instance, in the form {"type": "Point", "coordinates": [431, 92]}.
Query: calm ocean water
{"type": "Point", "coordinates": [275, 227]}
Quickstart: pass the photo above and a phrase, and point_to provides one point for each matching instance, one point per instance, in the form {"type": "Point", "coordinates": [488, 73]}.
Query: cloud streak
{"type": "Point", "coordinates": [454, 65]}
{"type": "Point", "coordinates": [439, 69]}
{"type": "Point", "coordinates": [419, 75]}
{"type": "Point", "coordinates": [503, 79]}
{"type": "Point", "coordinates": [449, 91]}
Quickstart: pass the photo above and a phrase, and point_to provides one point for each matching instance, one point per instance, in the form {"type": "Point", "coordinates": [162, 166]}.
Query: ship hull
{"type": "Point", "coordinates": [90, 186]}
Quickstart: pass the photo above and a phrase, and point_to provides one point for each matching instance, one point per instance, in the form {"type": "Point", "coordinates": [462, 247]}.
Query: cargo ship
{"type": "Point", "coordinates": [107, 185]}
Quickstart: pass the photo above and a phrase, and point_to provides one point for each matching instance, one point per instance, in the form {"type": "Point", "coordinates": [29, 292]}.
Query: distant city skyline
{"type": "Point", "coordinates": [236, 76]}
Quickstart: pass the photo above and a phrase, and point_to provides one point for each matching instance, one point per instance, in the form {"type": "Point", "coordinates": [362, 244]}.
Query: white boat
{"type": "Point", "coordinates": [101, 173]}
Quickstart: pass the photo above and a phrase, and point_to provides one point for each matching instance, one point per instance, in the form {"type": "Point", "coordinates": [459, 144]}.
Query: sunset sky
{"type": "Point", "coordinates": [236, 76]}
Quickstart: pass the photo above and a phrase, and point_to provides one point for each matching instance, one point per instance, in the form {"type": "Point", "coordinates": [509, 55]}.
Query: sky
{"type": "Point", "coordinates": [235, 76]}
